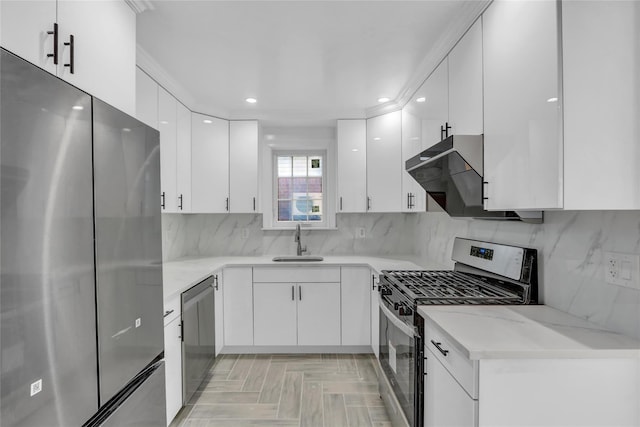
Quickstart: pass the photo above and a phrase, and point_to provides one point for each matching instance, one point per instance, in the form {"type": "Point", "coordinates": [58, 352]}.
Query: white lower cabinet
{"type": "Point", "coordinates": [356, 305]}
{"type": "Point", "coordinates": [237, 307]}
{"type": "Point", "coordinates": [274, 314]}
{"type": "Point", "coordinates": [318, 314]}
{"type": "Point", "coordinates": [173, 366]}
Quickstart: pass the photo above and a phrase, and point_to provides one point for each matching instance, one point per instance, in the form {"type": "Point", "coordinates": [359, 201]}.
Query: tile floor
{"type": "Point", "coordinates": [328, 390]}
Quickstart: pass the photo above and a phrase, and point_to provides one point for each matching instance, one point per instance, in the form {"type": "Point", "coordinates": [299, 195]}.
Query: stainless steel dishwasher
{"type": "Point", "coordinates": [198, 335]}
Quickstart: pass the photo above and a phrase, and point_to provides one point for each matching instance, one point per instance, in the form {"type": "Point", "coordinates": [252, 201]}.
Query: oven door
{"type": "Point", "coordinates": [401, 362]}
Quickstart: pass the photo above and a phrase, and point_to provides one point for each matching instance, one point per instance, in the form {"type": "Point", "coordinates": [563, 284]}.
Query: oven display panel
{"type": "Point", "coordinates": [483, 253]}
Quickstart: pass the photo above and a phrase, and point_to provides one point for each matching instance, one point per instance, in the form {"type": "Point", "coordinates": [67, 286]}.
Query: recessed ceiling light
{"type": "Point", "coordinates": [126, 130]}
{"type": "Point", "coordinates": [383, 99]}
{"type": "Point", "coordinates": [251, 100]}
{"type": "Point", "coordinates": [552, 100]}
{"type": "Point", "coordinates": [421, 99]}
{"type": "Point", "coordinates": [270, 137]}
{"type": "Point", "coordinates": [376, 138]}
{"type": "Point", "coordinates": [207, 121]}
{"type": "Point", "coordinates": [78, 107]}
{"type": "Point", "coordinates": [354, 149]}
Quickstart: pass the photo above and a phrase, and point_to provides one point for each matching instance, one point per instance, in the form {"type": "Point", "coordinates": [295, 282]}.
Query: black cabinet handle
{"type": "Point", "coordinates": [181, 331]}
{"type": "Point", "coordinates": [215, 278]}
{"type": "Point", "coordinates": [368, 203]}
{"type": "Point", "coordinates": [340, 202]}
{"type": "Point", "coordinates": [227, 205]}
{"type": "Point", "coordinates": [293, 297]}
{"type": "Point", "coordinates": [54, 55]}
{"type": "Point", "coordinates": [71, 44]}
{"type": "Point", "coordinates": [438, 346]}
{"type": "Point", "coordinates": [373, 282]}
{"type": "Point", "coordinates": [180, 202]}
{"type": "Point", "coordinates": [162, 200]}
{"type": "Point", "coordinates": [484, 192]}
{"type": "Point", "coordinates": [168, 312]}
{"type": "Point", "coordinates": [446, 129]}
{"type": "Point", "coordinates": [300, 292]}
{"type": "Point", "coordinates": [254, 204]}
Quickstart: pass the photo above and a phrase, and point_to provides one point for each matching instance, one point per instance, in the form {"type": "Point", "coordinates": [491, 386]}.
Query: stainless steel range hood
{"type": "Point", "coordinates": [451, 171]}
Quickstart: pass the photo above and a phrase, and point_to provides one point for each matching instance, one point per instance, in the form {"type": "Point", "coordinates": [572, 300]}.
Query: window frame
{"type": "Point", "coordinates": [276, 223]}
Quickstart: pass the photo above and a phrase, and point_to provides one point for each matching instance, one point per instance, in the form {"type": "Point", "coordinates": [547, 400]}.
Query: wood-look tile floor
{"type": "Point", "coordinates": [328, 390]}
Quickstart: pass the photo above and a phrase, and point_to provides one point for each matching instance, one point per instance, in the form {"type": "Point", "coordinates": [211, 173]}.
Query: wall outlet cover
{"type": "Point", "coordinates": [36, 387]}
{"type": "Point", "coordinates": [360, 233]}
{"type": "Point", "coordinates": [622, 269]}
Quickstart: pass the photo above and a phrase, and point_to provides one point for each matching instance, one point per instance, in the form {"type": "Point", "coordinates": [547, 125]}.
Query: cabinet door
{"type": "Point", "coordinates": [238, 296]}
{"type": "Point", "coordinates": [352, 165]}
{"type": "Point", "coordinates": [465, 83]}
{"type": "Point", "coordinates": [210, 164]}
{"type": "Point", "coordinates": [183, 159]}
{"type": "Point", "coordinates": [446, 404]}
{"type": "Point", "coordinates": [243, 164]}
{"type": "Point", "coordinates": [219, 310]}
{"type": "Point", "coordinates": [384, 159]}
{"type": "Point", "coordinates": [522, 133]}
{"type": "Point", "coordinates": [146, 99]}
{"type": "Point", "coordinates": [173, 367]}
{"type": "Point", "coordinates": [413, 195]}
{"type": "Point", "coordinates": [601, 104]}
{"type": "Point", "coordinates": [375, 316]}
{"type": "Point", "coordinates": [318, 313]}
{"type": "Point", "coordinates": [356, 306]}
{"type": "Point", "coordinates": [433, 109]}
{"type": "Point", "coordinates": [23, 30]}
{"type": "Point", "coordinates": [104, 50]}
{"type": "Point", "coordinates": [274, 314]}
{"type": "Point", "coordinates": [167, 115]}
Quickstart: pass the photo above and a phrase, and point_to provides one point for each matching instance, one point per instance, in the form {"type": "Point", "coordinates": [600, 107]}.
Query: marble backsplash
{"type": "Point", "coordinates": [571, 249]}
{"type": "Point", "coordinates": [242, 234]}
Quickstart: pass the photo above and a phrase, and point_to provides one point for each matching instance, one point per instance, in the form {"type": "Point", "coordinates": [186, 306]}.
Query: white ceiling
{"type": "Point", "coordinates": [307, 62]}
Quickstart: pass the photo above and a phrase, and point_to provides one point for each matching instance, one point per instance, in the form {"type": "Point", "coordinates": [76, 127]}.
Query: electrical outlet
{"type": "Point", "coordinates": [138, 322]}
{"type": "Point", "coordinates": [36, 387]}
{"type": "Point", "coordinates": [360, 233]}
{"type": "Point", "coordinates": [622, 269]}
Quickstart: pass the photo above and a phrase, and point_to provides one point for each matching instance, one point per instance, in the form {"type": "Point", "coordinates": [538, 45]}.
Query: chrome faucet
{"type": "Point", "coordinates": [298, 240]}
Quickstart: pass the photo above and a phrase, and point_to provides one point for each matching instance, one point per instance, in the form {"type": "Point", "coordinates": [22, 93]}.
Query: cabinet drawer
{"type": "Point", "coordinates": [171, 309]}
{"type": "Point", "coordinates": [296, 274]}
{"type": "Point", "coordinates": [459, 366]}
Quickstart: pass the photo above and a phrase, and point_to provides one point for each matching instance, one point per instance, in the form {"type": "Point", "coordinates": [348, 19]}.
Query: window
{"type": "Point", "coordinates": [299, 190]}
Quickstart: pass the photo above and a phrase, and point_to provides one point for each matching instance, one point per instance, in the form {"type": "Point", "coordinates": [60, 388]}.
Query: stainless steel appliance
{"type": "Point", "coordinates": [198, 335]}
{"type": "Point", "coordinates": [80, 257]}
{"type": "Point", "coordinates": [451, 171]}
{"type": "Point", "coordinates": [484, 273]}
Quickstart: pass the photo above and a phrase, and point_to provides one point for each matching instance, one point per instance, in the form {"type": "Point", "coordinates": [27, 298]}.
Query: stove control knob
{"type": "Point", "coordinates": [385, 291]}
{"type": "Point", "coordinates": [396, 306]}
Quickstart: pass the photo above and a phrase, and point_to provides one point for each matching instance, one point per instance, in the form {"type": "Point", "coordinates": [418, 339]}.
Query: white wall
{"type": "Point", "coordinates": [571, 249]}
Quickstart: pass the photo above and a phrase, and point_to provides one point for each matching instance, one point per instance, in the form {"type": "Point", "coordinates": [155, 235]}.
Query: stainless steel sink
{"type": "Point", "coordinates": [303, 258]}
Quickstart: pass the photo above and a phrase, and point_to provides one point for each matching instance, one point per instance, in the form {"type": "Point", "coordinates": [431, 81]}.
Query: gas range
{"type": "Point", "coordinates": [484, 273]}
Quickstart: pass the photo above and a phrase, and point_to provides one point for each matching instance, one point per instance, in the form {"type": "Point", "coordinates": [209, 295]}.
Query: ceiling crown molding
{"type": "Point", "coordinates": [447, 41]}
{"type": "Point", "coordinates": [139, 6]}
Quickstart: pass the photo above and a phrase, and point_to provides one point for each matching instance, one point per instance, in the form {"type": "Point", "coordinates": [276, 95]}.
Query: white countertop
{"type": "Point", "coordinates": [181, 274]}
{"type": "Point", "coordinates": [530, 331]}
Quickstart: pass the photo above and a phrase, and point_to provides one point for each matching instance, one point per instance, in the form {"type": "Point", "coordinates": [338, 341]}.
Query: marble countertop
{"type": "Point", "coordinates": [181, 274]}
{"type": "Point", "coordinates": [530, 331]}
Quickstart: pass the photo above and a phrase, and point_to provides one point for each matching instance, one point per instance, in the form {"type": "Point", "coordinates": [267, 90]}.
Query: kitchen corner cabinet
{"type": "Point", "coordinates": [238, 311]}
{"type": "Point", "coordinates": [104, 44]}
{"type": "Point", "coordinates": [523, 163]}
{"type": "Point", "coordinates": [243, 166]}
{"type": "Point", "coordinates": [296, 306]}
{"type": "Point", "coordinates": [352, 165]}
{"type": "Point", "coordinates": [465, 83]}
{"type": "Point", "coordinates": [356, 313]}
{"type": "Point", "coordinates": [209, 164]}
{"type": "Point", "coordinates": [384, 160]}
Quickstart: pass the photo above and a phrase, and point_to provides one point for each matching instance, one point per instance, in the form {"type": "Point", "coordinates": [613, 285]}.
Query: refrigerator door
{"type": "Point", "coordinates": [128, 246]}
{"type": "Point", "coordinates": [140, 404]}
{"type": "Point", "coordinates": [47, 293]}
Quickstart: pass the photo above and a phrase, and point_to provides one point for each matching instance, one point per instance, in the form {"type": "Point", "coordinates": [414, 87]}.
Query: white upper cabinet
{"type": "Point", "coordinates": [465, 83]}
{"type": "Point", "coordinates": [146, 99]}
{"type": "Point", "coordinates": [209, 164]}
{"type": "Point", "coordinates": [352, 165]}
{"type": "Point", "coordinates": [413, 195]}
{"type": "Point", "coordinates": [523, 162]}
{"type": "Point", "coordinates": [384, 161]}
{"type": "Point", "coordinates": [601, 47]}
{"type": "Point", "coordinates": [95, 38]}
{"type": "Point", "coordinates": [183, 159]}
{"type": "Point", "coordinates": [431, 104]}
{"type": "Point", "coordinates": [167, 118]}
{"type": "Point", "coordinates": [243, 166]}
{"type": "Point", "coordinates": [24, 30]}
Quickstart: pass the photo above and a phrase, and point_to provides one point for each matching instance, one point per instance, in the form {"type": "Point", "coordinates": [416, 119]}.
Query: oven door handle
{"type": "Point", "coordinates": [412, 331]}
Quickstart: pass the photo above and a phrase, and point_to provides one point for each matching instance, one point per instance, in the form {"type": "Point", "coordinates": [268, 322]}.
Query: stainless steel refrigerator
{"type": "Point", "coordinates": [81, 339]}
